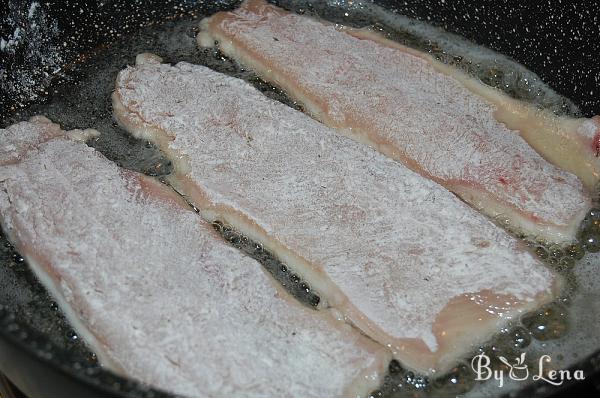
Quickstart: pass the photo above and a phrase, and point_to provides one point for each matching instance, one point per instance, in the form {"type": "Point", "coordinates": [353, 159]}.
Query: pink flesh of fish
{"type": "Point", "coordinates": [392, 252]}
{"type": "Point", "coordinates": [412, 109]}
{"type": "Point", "coordinates": [153, 289]}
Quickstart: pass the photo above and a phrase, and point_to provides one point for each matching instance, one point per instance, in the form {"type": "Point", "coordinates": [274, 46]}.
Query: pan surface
{"type": "Point", "coordinates": [61, 60]}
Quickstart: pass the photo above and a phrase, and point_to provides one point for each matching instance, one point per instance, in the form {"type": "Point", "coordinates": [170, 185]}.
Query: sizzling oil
{"type": "Point", "coordinates": [561, 328]}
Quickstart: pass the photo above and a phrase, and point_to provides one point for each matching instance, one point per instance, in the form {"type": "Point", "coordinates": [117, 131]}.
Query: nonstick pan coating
{"type": "Point", "coordinates": [62, 45]}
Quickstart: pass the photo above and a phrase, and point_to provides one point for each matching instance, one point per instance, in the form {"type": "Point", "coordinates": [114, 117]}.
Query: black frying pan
{"type": "Point", "coordinates": [63, 60]}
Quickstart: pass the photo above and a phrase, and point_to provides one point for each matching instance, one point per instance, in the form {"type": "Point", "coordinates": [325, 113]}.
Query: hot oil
{"type": "Point", "coordinates": [291, 282]}
{"type": "Point", "coordinates": [563, 329]}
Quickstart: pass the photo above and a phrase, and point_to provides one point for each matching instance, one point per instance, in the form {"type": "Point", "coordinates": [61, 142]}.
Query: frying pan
{"type": "Point", "coordinates": [60, 59]}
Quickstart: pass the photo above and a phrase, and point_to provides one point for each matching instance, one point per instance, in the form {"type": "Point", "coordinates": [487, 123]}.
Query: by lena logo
{"type": "Point", "coordinates": [519, 370]}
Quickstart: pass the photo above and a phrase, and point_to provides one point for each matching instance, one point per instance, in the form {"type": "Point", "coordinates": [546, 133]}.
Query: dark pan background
{"type": "Point", "coordinates": [558, 40]}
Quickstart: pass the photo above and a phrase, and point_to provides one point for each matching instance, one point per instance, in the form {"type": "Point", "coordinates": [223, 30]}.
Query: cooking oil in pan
{"type": "Point", "coordinates": [564, 329]}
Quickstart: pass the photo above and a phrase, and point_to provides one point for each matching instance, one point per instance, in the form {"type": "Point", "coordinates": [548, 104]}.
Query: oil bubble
{"type": "Point", "coordinates": [548, 323]}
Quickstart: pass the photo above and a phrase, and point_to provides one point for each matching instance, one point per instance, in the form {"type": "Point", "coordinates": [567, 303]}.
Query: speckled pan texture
{"type": "Point", "coordinates": [61, 60]}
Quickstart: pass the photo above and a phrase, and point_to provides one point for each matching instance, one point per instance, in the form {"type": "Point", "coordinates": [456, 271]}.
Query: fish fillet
{"type": "Point", "coordinates": [417, 112]}
{"type": "Point", "coordinates": [394, 253]}
{"type": "Point", "coordinates": [155, 291]}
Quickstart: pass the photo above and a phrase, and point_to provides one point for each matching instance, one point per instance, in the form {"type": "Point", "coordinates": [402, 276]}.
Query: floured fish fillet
{"type": "Point", "coordinates": [155, 291]}
{"type": "Point", "coordinates": [413, 110]}
{"type": "Point", "coordinates": [396, 254]}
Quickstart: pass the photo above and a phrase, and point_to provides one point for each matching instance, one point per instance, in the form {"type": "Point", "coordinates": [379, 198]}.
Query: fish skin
{"type": "Point", "coordinates": [430, 117]}
{"type": "Point", "coordinates": [393, 253]}
{"type": "Point", "coordinates": [155, 291]}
